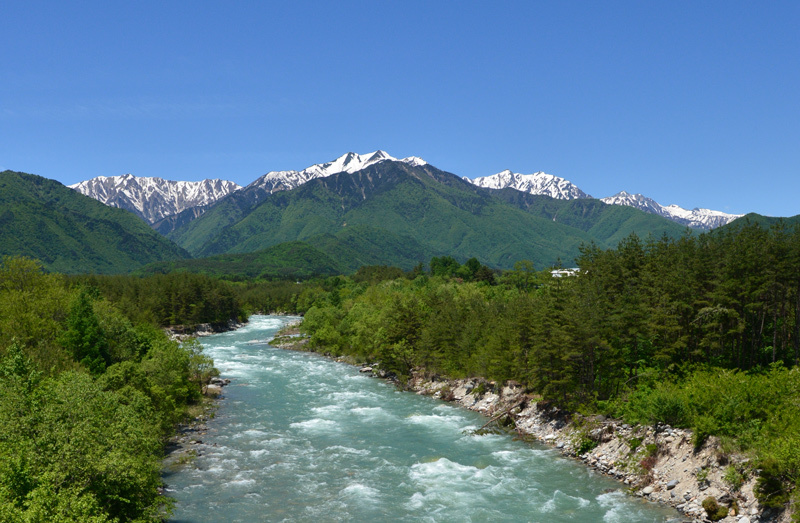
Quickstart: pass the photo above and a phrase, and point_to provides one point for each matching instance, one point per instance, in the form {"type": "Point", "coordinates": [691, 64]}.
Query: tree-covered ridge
{"type": "Point", "coordinates": [91, 387]}
{"type": "Point", "coordinates": [285, 261]}
{"type": "Point", "coordinates": [72, 233]}
{"type": "Point", "coordinates": [698, 331]}
{"type": "Point", "coordinates": [436, 212]}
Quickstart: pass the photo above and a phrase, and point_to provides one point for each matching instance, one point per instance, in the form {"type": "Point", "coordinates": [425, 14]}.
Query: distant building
{"type": "Point", "coordinates": [563, 273]}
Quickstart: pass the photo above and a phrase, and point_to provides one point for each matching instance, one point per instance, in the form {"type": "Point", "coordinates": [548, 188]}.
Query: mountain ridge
{"type": "Point", "coordinates": [541, 183]}
{"type": "Point", "coordinates": [153, 198]}
{"type": "Point", "coordinates": [72, 233]}
{"type": "Point", "coordinates": [163, 203]}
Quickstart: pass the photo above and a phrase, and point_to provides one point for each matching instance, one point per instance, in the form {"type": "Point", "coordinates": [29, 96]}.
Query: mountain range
{"type": "Point", "coordinates": [559, 188]}
{"type": "Point", "coordinates": [329, 218]}
{"type": "Point", "coordinates": [168, 204]}
{"type": "Point", "coordinates": [405, 211]}
{"type": "Point", "coordinates": [153, 199]}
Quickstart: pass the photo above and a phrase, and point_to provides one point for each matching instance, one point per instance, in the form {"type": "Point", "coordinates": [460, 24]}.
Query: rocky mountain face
{"type": "Point", "coordinates": [153, 199]}
{"type": "Point", "coordinates": [536, 183]}
{"type": "Point", "coordinates": [561, 189]}
{"type": "Point", "coordinates": [695, 218]}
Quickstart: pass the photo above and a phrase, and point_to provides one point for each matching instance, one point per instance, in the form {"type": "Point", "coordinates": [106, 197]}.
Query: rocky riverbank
{"type": "Point", "coordinates": [182, 447]}
{"type": "Point", "coordinates": [659, 464]}
{"type": "Point", "coordinates": [184, 332]}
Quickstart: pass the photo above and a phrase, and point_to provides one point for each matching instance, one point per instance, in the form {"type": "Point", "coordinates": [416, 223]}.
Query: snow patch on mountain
{"type": "Point", "coordinates": [351, 162]}
{"type": "Point", "coordinates": [154, 198]}
{"type": "Point", "coordinates": [536, 183]}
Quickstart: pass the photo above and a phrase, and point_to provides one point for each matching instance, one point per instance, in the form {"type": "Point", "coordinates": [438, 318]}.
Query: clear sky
{"type": "Point", "coordinates": [693, 103]}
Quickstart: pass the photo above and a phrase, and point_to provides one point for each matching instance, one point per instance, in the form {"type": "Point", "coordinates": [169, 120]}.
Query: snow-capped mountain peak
{"type": "Point", "coordinates": [639, 201]}
{"type": "Point", "coordinates": [536, 183]}
{"type": "Point", "coordinates": [559, 188]}
{"type": "Point", "coordinates": [695, 218]}
{"type": "Point", "coordinates": [154, 198]}
{"type": "Point", "coordinates": [350, 163]}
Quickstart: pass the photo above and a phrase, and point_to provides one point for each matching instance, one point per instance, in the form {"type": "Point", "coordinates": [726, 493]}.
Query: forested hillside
{"type": "Point", "coordinates": [72, 233]}
{"type": "Point", "coordinates": [700, 332]}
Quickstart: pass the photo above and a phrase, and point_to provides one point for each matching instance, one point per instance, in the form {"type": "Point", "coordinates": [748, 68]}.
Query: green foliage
{"type": "Point", "coordinates": [586, 444]}
{"type": "Point", "coordinates": [702, 475]}
{"type": "Point", "coordinates": [285, 261]}
{"type": "Point", "coordinates": [634, 443]}
{"type": "Point", "coordinates": [72, 233]}
{"type": "Point", "coordinates": [83, 337]}
{"type": "Point", "coordinates": [713, 509]}
{"type": "Point", "coordinates": [170, 299]}
{"type": "Point", "coordinates": [70, 451]}
{"type": "Point", "coordinates": [88, 393]}
{"type": "Point", "coordinates": [735, 477]}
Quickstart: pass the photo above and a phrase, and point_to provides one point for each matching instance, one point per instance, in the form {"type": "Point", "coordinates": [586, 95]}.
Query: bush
{"type": "Point", "coordinates": [714, 510]}
{"type": "Point", "coordinates": [586, 444]}
{"type": "Point", "coordinates": [734, 477]}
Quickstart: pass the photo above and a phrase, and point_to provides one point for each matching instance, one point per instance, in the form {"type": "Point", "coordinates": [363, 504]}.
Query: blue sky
{"type": "Point", "coordinates": [693, 103]}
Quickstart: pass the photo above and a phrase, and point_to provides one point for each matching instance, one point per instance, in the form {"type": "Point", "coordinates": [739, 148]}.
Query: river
{"type": "Point", "coordinates": [299, 437]}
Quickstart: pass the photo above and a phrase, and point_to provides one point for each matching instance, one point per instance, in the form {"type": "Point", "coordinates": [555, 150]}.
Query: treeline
{"type": "Point", "coordinates": [639, 332]}
{"type": "Point", "coordinates": [90, 388]}
{"type": "Point", "coordinates": [170, 299]}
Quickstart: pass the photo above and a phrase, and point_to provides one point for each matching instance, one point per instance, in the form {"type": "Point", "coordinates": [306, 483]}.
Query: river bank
{"type": "Point", "coordinates": [658, 464]}
{"type": "Point", "coordinates": [303, 438]}
{"type": "Point", "coordinates": [182, 447]}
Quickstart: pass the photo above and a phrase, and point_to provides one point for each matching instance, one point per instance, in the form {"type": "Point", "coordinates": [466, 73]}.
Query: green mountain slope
{"type": "Point", "coordinates": [321, 255]}
{"type": "Point", "coordinates": [393, 212]}
{"type": "Point", "coordinates": [72, 233]}
{"type": "Point", "coordinates": [764, 221]}
{"type": "Point", "coordinates": [439, 211]}
{"type": "Point", "coordinates": [608, 224]}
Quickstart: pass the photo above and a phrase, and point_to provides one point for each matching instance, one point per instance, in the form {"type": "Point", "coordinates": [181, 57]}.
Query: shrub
{"type": "Point", "coordinates": [586, 444]}
{"type": "Point", "coordinates": [770, 489]}
{"type": "Point", "coordinates": [479, 390]}
{"type": "Point", "coordinates": [702, 475]}
{"type": "Point", "coordinates": [734, 477]}
{"type": "Point", "coordinates": [714, 510]}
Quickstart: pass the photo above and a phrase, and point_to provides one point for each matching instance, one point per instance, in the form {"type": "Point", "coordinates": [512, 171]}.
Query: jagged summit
{"type": "Point", "coordinates": [545, 184]}
{"type": "Point", "coordinates": [350, 163]}
{"type": "Point", "coordinates": [696, 218]}
{"type": "Point", "coordinates": [536, 183]}
{"type": "Point", "coordinates": [153, 198]}
{"type": "Point", "coordinates": [635, 200]}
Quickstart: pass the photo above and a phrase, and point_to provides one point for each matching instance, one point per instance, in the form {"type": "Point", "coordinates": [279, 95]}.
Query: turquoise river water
{"type": "Point", "coordinates": [299, 437]}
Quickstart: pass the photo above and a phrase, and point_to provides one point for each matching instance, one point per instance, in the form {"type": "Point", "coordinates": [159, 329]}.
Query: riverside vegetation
{"type": "Point", "coordinates": [91, 388]}
{"type": "Point", "coordinates": [702, 332]}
